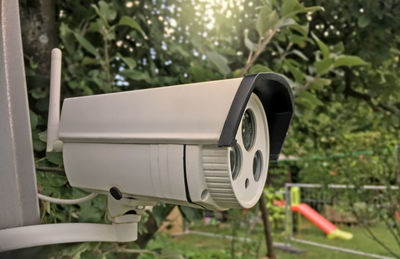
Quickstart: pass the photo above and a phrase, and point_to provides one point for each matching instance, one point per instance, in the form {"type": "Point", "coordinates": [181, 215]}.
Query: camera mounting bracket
{"type": "Point", "coordinates": [125, 214]}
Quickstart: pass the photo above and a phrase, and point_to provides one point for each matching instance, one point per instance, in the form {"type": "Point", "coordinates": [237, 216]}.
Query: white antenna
{"type": "Point", "coordinates": [53, 143]}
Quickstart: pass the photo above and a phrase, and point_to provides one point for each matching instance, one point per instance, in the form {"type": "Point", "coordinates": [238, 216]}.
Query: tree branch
{"type": "Point", "coordinates": [253, 56]}
{"type": "Point", "coordinates": [267, 227]}
{"type": "Point", "coordinates": [349, 91]}
{"type": "Point", "coordinates": [359, 219]}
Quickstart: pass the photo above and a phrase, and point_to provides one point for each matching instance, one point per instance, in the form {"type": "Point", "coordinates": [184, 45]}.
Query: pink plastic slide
{"type": "Point", "coordinates": [331, 230]}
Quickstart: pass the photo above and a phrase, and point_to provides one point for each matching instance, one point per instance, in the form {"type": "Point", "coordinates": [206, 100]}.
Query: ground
{"type": "Point", "coordinates": [196, 246]}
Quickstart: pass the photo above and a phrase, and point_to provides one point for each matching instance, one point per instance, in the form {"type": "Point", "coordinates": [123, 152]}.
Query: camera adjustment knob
{"type": "Point", "coordinates": [116, 193]}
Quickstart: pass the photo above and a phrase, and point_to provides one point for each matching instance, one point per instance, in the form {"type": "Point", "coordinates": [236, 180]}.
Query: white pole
{"type": "Point", "coordinates": [53, 143]}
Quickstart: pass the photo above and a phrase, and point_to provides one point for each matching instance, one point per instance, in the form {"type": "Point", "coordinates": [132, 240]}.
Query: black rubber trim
{"type": "Point", "coordinates": [185, 176]}
{"type": "Point", "coordinates": [277, 98]}
{"type": "Point", "coordinates": [188, 198]}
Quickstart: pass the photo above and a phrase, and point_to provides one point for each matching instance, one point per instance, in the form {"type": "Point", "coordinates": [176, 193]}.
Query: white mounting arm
{"type": "Point", "coordinates": [124, 215]}
{"type": "Point", "coordinates": [46, 234]}
{"type": "Point", "coordinates": [53, 143]}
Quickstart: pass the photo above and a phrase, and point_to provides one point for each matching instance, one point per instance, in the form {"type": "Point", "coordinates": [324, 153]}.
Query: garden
{"type": "Point", "coordinates": [333, 192]}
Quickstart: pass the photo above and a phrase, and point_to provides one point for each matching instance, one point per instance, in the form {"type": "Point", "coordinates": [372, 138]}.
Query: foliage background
{"type": "Point", "coordinates": [342, 64]}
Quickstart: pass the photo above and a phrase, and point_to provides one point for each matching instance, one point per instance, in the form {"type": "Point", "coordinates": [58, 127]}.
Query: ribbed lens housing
{"type": "Point", "coordinates": [235, 158]}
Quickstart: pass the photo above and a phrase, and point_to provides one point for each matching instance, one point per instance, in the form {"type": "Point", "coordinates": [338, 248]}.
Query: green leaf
{"type": "Point", "coordinates": [54, 158]}
{"type": "Point", "coordinates": [301, 41]}
{"type": "Point", "coordinates": [89, 213]}
{"type": "Point", "coordinates": [267, 19]}
{"type": "Point", "coordinates": [363, 21]}
{"type": "Point", "coordinates": [288, 22]}
{"type": "Point", "coordinates": [128, 21]}
{"type": "Point", "coordinates": [220, 61]}
{"type": "Point", "coordinates": [249, 44]}
{"type": "Point", "coordinates": [349, 61]}
{"type": "Point", "coordinates": [136, 75]}
{"type": "Point", "coordinates": [395, 51]}
{"type": "Point", "coordinates": [199, 73]}
{"type": "Point", "coordinates": [259, 69]}
{"type": "Point", "coordinates": [161, 211]}
{"type": "Point", "coordinates": [288, 6]}
{"type": "Point", "coordinates": [42, 136]}
{"type": "Point", "coordinates": [38, 144]}
{"type": "Point", "coordinates": [89, 61]}
{"type": "Point", "coordinates": [52, 183]}
{"type": "Point", "coordinates": [86, 44]}
{"type": "Point", "coordinates": [191, 214]}
{"type": "Point", "coordinates": [67, 39]}
{"type": "Point", "coordinates": [278, 48]}
{"type": "Point", "coordinates": [75, 251]}
{"type": "Point", "coordinates": [111, 34]}
{"type": "Point", "coordinates": [129, 61]}
{"type": "Point", "coordinates": [39, 93]}
{"type": "Point", "coordinates": [34, 119]}
{"type": "Point", "coordinates": [324, 66]}
{"type": "Point", "coordinates": [311, 9]}
{"type": "Point", "coordinates": [338, 48]}
{"type": "Point", "coordinates": [324, 48]}
{"type": "Point", "coordinates": [299, 54]}
{"type": "Point", "coordinates": [303, 29]}
{"type": "Point", "coordinates": [99, 78]}
{"type": "Point", "coordinates": [179, 50]}
{"type": "Point", "coordinates": [296, 73]}
{"type": "Point", "coordinates": [94, 27]}
{"type": "Point", "coordinates": [309, 99]}
{"type": "Point", "coordinates": [319, 83]}
{"type": "Point", "coordinates": [237, 72]}
{"type": "Point", "coordinates": [107, 10]}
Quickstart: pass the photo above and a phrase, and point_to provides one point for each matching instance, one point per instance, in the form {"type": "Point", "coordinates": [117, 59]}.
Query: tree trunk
{"type": "Point", "coordinates": [267, 228]}
{"type": "Point", "coordinates": [151, 229]}
{"type": "Point", "coordinates": [39, 32]}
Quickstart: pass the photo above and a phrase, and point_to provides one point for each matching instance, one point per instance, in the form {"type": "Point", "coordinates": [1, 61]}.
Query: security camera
{"type": "Point", "coordinates": [203, 145]}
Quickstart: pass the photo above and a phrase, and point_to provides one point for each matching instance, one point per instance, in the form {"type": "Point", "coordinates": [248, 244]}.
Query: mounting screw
{"type": "Point", "coordinates": [116, 193]}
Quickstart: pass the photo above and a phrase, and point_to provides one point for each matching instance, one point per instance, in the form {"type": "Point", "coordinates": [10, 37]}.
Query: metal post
{"type": "Point", "coordinates": [18, 195]}
{"type": "Point", "coordinates": [290, 213]}
{"type": "Point", "coordinates": [287, 215]}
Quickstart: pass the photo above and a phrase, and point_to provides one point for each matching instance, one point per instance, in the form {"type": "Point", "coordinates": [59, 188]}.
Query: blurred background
{"type": "Point", "coordinates": [342, 60]}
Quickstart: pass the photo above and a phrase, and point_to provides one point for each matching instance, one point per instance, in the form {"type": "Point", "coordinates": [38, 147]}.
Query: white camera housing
{"type": "Point", "coordinates": [205, 145]}
{"type": "Point", "coordinates": [174, 144]}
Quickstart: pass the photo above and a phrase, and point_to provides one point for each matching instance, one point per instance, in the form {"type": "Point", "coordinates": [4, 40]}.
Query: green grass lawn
{"type": "Point", "coordinates": [361, 240]}
{"type": "Point", "coordinates": [197, 246]}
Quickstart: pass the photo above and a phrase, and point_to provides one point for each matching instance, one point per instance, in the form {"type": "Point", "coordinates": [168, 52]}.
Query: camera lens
{"type": "Point", "coordinates": [235, 158]}
{"type": "Point", "coordinates": [248, 129]}
{"type": "Point", "coordinates": [257, 165]}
